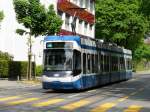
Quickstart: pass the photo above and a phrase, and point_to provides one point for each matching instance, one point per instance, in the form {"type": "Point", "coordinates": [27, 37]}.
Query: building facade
{"type": "Point", "coordinates": [79, 12]}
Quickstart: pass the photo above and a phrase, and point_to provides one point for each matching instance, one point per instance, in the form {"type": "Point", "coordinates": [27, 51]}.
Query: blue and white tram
{"type": "Point", "coordinates": [73, 62]}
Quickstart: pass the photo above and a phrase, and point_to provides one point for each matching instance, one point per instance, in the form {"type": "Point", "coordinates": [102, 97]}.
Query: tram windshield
{"type": "Point", "coordinates": [58, 59]}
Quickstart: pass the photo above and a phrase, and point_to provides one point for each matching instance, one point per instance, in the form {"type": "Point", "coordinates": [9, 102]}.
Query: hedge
{"type": "Point", "coordinates": [39, 70]}
{"type": "Point", "coordinates": [4, 68]}
{"type": "Point", "coordinates": [19, 69]}
{"type": "Point", "coordinates": [13, 69]}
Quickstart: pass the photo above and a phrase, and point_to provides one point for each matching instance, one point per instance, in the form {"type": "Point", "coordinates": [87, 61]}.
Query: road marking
{"type": "Point", "coordinates": [103, 107]}
{"type": "Point", "coordinates": [123, 99]}
{"type": "Point", "coordinates": [91, 91]}
{"type": "Point", "coordinates": [141, 89]}
{"type": "Point", "coordinates": [75, 105]}
{"type": "Point", "coordinates": [9, 98]}
{"type": "Point", "coordinates": [73, 95]}
{"type": "Point", "coordinates": [47, 103]}
{"type": "Point", "coordinates": [133, 108]}
{"type": "Point", "coordinates": [13, 97]}
{"type": "Point", "coordinates": [133, 79]}
{"type": "Point", "coordinates": [133, 93]}
{"type": "Point", "coordinates": [23, 101]}
{"type": "Point", "coordinates": [106, 106]}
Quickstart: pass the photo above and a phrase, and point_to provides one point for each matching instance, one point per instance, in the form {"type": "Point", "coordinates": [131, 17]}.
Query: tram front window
{"type": "Point", "coordinates": [58, 59]}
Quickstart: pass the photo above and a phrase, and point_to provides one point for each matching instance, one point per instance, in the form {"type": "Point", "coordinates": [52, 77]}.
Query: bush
{"type": "Point", "coordinates": [4, 68]}
{"type": "Point", "coordinates": [19, 68]}
{"type": "Point", "coordinates": [13, 69]}
{"type": "Point", "coordinates": [5, 60]}
{"type": "Point", "coordinates": [141, 66]}
{"type": "Point", "coordinates": [39, 70]}
{"type": "Point", "coordinates": [5, 56]}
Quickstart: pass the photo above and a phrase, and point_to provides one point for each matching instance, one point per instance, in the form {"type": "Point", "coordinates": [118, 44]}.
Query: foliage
{"type": "Point", "coordinates": [36, 18]}
{"type": "Point", "coordinates": [144, 8]}
{"type": "Point", "coordinates": [12, 69]}
{"type": "Point", "coordinates": [119, 21]}
{"type": "Point", "coordinates": [4, 68]}
{"type": "Point", "coordinates": [141, 66]}
{"type": "Point", "coordinates": [5, 56]}
{"type": "Point", "coordinates": [142, 52]}
{"type": "Point", "coordinates": [5, 59]}
{"type": "Point", "coordinates": [1, 16]}
{"type": "Point", "coordinates": [19, 68]}
{"type": "Point", "coordinates": [39, 70]}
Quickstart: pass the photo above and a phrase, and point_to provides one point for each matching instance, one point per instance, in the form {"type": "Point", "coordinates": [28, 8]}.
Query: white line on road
{"type": "Point", "coordinates": [91, 91]}
{"type": "Point", "coordinates": [73, 95]}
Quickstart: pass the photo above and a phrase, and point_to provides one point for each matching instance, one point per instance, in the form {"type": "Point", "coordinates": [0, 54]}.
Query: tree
{"type": "Point", "coordinates": [144, 8]}
{"type": "Point", "coordinates": [141, 55]}
{"type": "Point", "coordinates": [119, 21]}
{"type": "Point", "coordinates": [37, 20]}
{"type": "Point", "coordinates": [5, 56]}
{"type": "Point", "coordinates": [1, 16]}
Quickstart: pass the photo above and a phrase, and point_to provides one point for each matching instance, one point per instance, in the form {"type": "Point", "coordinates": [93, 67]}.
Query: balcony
{"type": "Point", "coordinates": [70, 8]}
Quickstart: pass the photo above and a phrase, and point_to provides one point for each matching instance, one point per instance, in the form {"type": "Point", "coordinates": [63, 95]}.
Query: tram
{"type": "Point", "coordinates": [74, 62]}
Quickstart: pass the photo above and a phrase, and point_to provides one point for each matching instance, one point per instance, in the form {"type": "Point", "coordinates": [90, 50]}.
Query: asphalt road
{"type": "Point", "coordinates": [128, 96]}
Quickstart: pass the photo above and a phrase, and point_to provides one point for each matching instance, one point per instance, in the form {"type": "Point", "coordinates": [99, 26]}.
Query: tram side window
{"type": "Point", "coordinates": [77, 62]}
{"type": "Point", "coordinates": [105, 63]}
{"type": "Point", "coordinates": [112, 63]}
{"type": "Point", "coordinates": [116, 63]}
{"type": "Point", "coordinates": [84, 63]}
{"type": "Point", "coordinates": [93, 70]}
{"type": "Point", "coordinates": [122, 63]}
{"type": "Point", "coordinates": [101, 62]}
{"type": "Point", "coordinates": [129, 64]}
{"type": "Point", "coordinates": [96, 64]}
{"type": "Point", "coordinates": [89, 63]}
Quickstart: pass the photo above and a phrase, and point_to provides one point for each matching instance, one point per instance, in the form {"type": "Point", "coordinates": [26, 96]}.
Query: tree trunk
{"type": "Point", "coordinates": [29, 59]}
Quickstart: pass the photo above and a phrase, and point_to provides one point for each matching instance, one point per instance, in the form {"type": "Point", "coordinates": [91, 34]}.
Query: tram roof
{"type": "Point", "coordinates": [63, 38]}
{"type": "Point", "coordinates": [78, 40]}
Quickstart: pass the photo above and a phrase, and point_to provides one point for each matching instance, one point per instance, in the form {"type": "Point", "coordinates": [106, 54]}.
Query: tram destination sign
{"type": "Point", "coordinates": [59, 45]}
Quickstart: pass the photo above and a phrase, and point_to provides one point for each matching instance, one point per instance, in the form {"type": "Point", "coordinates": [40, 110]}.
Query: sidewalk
{"type": "Point", "coordinates": [37, 81]}
{"type": "Point", "coordinates": [143, 72]}
{"type": "Point", "coordinates": [31, 82]}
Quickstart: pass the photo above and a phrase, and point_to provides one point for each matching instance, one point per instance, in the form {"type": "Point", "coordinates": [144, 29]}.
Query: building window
{"type": "Point", "coordinates": [60, 14]}
{"type": "Point", "coordinates": [75, 1]}
{"type": "Point", "coordinates": [85, 28]}
{"type": "Point", "coordinates": [87, 3]}
{"type": "Point", "coordinates": [91, 30]}
{"type": "Point", "coordinates": [91, 6]}
{"type": "Point", "coordinates": [81, 3]}
{"type": "Point", "coordinates": [67, 21]}
{"type": "Point", "coordinates": [91, 27]}
{"type": "Point", "coordinates": [80, 26]}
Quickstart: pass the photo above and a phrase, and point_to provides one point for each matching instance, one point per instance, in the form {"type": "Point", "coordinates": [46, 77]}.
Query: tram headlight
{"type": "Point", "coordinates": [56, 75]}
